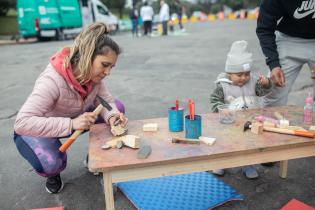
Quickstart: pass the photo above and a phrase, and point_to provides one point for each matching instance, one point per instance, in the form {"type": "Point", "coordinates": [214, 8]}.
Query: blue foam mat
{"type": "Point", "coordinates": [196, 191]}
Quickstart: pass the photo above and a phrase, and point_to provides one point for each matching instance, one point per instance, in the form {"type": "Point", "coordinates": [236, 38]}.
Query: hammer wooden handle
{"type": "Point", "coordinates": [291, 132]}
{"type": "Point", "coordinates": [77, 133]}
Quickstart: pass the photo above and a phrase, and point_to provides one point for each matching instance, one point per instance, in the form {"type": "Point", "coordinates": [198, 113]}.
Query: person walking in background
{"type": "Point", "coordinates": [134, 17]}
{"type": "Point", "coordinates": [179, 11]}
{"type": "Point", "coordinates": [164, 15]}
{"type": "Point", "coordinates": [146, 13]}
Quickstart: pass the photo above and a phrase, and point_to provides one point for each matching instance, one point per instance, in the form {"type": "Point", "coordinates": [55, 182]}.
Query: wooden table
{"type": "Point", "coordinates": [232, 148]}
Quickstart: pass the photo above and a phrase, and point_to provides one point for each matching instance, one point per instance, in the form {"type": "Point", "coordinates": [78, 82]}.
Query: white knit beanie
{"type": "Point", "coordinates": [238, 59]}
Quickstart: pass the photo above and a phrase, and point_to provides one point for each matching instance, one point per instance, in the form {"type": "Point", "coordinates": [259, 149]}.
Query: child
{"type": "Point", "coordinates": [62, 97]}
{"type": "Point", "coordinates": [238, 88]}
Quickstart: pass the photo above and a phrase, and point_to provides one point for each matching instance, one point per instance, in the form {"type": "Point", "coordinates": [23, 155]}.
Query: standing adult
{"type": "Point", "coordinates": [286, 31]}
{"type": "Point", "coordinates": [164, 15]}
{"type": "Point", "coordinates": [134, 17]}
{"type": "Point", "coordinates": [179, 11]}
{"type": "Point", "coordinates": [147, 13]}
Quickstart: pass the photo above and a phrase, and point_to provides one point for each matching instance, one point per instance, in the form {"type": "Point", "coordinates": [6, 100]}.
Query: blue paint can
{"type": "Point", "coordinates": [193, 127]}
{"type": "Point", "coordinates": [175, 119]}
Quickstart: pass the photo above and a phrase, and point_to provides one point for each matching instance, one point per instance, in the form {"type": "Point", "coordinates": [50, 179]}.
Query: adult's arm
{"type": "Point", "coordinates": [31, 119]}
{"type": "Point", "coordinates": [270, 13]}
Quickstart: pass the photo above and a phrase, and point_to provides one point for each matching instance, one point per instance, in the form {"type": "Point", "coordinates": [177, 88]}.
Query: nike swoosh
{"type": "Point", "coordinates": [298, 15]}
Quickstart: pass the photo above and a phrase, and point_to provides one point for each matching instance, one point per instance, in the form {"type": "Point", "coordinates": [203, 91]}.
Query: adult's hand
{"type": "Point", "coordinates": [118, 118]}
{"type": "Point", "coordinates": [84, 121]}
{"type": "Point", "coordinates": [277, 77]}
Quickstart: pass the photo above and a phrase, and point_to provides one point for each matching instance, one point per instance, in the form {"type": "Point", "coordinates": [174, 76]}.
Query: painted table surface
{"type": "Point", "coordinates": [230, 139]}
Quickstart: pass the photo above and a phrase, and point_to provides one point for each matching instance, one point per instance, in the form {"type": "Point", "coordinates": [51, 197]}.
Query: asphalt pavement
{"type": "Point", "coordinates": [150, 75]}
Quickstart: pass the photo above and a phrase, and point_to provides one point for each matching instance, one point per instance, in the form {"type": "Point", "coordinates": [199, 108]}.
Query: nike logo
{"type": "Point", "coordinates": [298, 15]}
{"type": "Point", "coordinates": [306, 8]}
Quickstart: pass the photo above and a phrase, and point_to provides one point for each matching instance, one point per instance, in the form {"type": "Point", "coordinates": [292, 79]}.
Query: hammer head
{"type": "Point", "coordinates": [104, 103]}
{"type": "Point", "coordinates": [247, 125]}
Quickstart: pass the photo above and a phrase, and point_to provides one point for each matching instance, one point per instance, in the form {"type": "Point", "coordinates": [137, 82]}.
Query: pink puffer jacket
{"type": "Point", "coordinates": [53, 103]}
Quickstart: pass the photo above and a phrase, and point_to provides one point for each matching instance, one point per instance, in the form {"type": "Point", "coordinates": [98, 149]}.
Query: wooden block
{"type": "Point", "coordinates": [113, 143]}
{"type": "Point", "coordinates": [131, 141]}
{"type": "Point", "coordinates": [257, 128]}
{"type": "Point", "coordinates": [119, 144]}
{"type": "Point", "coordinates": [207, 140]}
{"type": "Point", "coordinates": [284, 123]}
{"type": "Point", "coordinates": [269, 124]}
{"type": "Point", "coordinates": [117, 130]}
{"type": "Point", "coordinates": [150, 127]}
{"type": "Point", "coordinates": [144, 152]}
{"type": "Point", "coordinates": [185, 141]}
{"type": "Point", "coordinates": [106, 146]}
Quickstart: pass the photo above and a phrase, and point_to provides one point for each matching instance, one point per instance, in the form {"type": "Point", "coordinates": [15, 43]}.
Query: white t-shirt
{"type": "Point", "coordinates": [146, 13]}
{"type": "Point", "coordinates": [164, 12]}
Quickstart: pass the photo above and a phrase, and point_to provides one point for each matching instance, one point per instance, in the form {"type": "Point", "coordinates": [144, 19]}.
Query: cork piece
{"type": "Point", "coordinates": [144, 152]}
{"type": "Point", "coordinates": [150, 127]}
{"type": "Point", "coordinates": [257, 128]}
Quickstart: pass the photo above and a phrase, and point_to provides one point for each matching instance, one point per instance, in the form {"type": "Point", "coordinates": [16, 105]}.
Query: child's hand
{"type": "Point", "coordinates": [263, 80]}
{"type": "Point", "coordinates": [84, 121]}
{"type": "Point", "coordinates": [118, 119]}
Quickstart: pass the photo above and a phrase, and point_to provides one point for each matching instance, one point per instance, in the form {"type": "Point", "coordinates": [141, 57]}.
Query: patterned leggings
{"type": "Point", "coordinates": [43, 153]}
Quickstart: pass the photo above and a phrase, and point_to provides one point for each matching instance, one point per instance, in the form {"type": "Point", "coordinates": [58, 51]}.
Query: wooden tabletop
{"type": "Point", "coordinates": [230, 139]}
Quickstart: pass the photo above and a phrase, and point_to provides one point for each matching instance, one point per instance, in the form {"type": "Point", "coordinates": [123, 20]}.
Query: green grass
{"type": "Point", "coordinates": [8, 24]}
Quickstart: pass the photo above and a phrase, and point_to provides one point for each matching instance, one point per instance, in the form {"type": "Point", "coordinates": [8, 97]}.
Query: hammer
{"type": "Point", "coordinates": [308, 134]}
{"type": "Point", "coordinates": [75, 135]}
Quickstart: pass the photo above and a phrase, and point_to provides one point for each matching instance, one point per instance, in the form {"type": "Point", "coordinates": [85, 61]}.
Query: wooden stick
{"type": "Point", "coordinates": [185, 141]}
{"type": "Point", "coordinates": [77, 133]}
{"type": "Point", "coordinates": [290, 132]}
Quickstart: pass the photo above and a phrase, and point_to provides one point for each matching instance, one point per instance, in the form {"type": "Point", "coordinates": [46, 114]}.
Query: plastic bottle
{"type": "Point", "coordinates": [308, 110]}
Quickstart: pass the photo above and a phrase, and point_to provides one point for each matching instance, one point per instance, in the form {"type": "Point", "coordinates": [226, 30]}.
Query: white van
{"type": "Point", "coordinates": [96, 11]}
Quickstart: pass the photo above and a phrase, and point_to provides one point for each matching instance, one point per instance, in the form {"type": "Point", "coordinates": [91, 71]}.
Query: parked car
{"type": "Point", "coordinates": [49, 18]}
{"type": "Point", "coordinates": [98, 12]}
